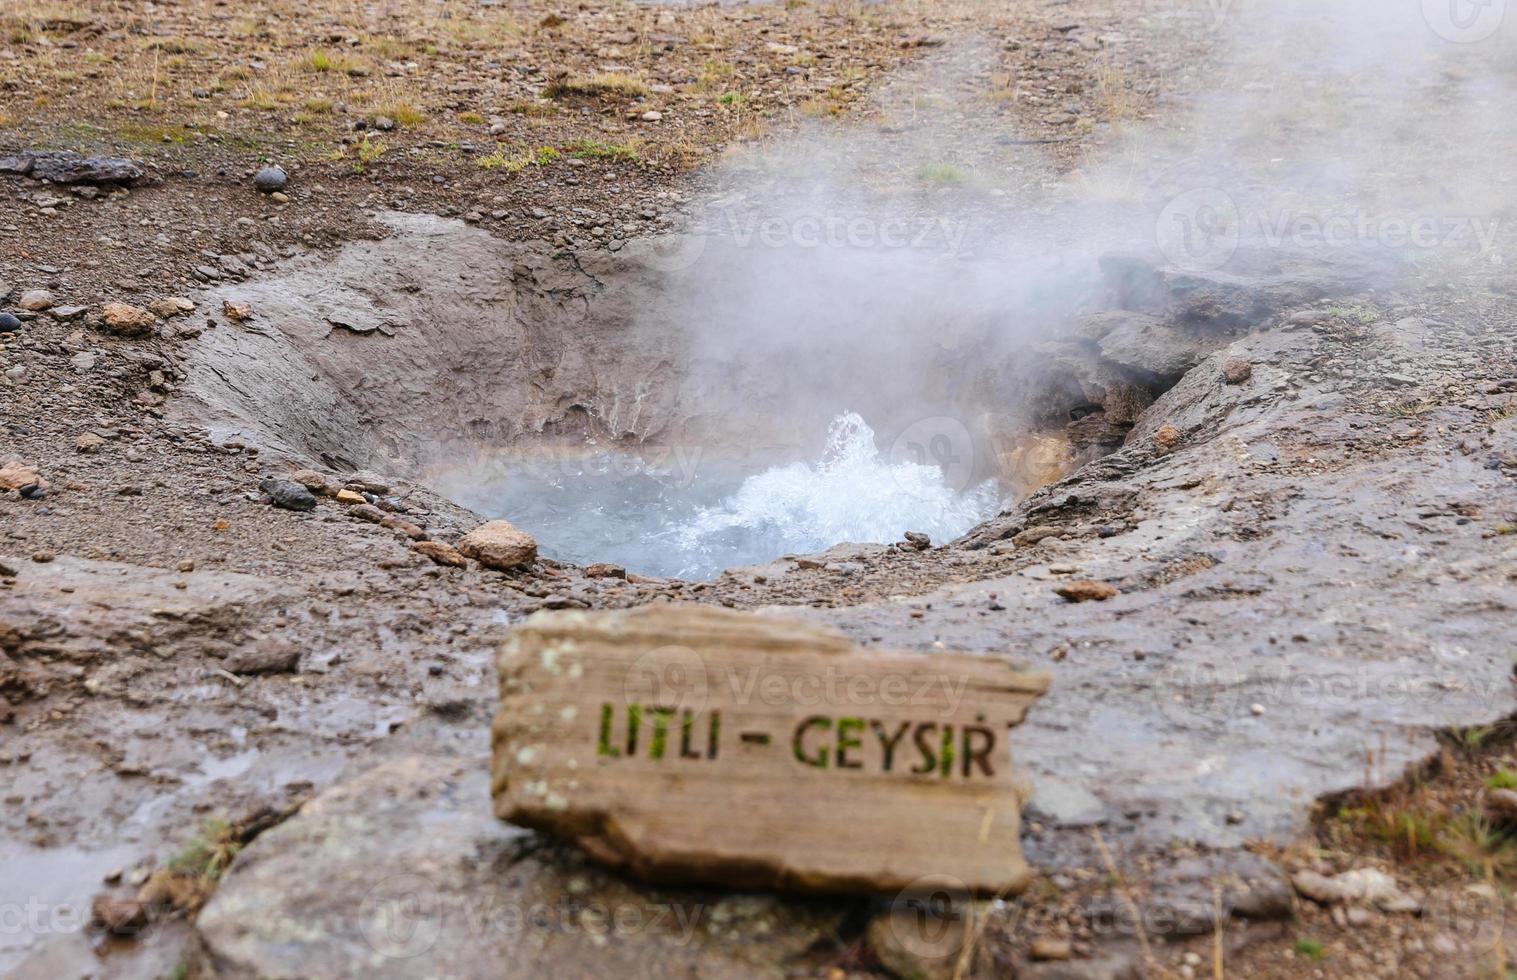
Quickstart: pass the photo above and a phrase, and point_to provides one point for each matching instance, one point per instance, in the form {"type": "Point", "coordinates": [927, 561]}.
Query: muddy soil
{"type": "Point", "coordinates": [1314, 556]}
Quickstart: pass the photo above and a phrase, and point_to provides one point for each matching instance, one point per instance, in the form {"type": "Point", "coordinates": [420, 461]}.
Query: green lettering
{"type": "Point", "coordinates": [818, 761]}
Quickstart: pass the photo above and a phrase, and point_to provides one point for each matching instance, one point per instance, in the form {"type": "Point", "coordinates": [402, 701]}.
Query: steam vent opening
{"type": "Point", "coordinates": [677, 418]}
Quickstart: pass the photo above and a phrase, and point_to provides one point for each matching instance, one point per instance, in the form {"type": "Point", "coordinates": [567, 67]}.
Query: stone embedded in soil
{"type": "Point", "coordinates": [1365, 886]}
{"type": "Point", "coordinates": [918, 941]}
{"type": "Point", "coordinates": [68, 167]}
{"type": "Point", "coordinates": [701, 745]}
{"type": "Point", "coordinates": [1087, 591]}
{"type": "Point", "coordinates": [499, 545]}
{"type": "Point", "coordinates": [603, 569]}
{"type": "Point", "coordinates": [9, 323]}
{"type": "Point", "coordinates": [312, 481]}
{"type": "Point", "coordinates": [441, 553]}
{"type": "Point", "coordinates": [403, 869]}
{"type": "Point", "coordinates": [127, 320]}
{"type": "Point", "coordinates": [120, 916]}
{"type": "Point", "coordinates": [36, 300]}
{"type": "Point", "coordinates": [15, 475]}
{"type": "Point", "coordinates": [288, 494]}
{"type": "Point", "coordinates": [270, 179]}
{"type": "Point", "coordinates": [1237, 370]}
{"type": "Point", "coordinates": [170, 306]}
{"type": "Point", "coordinates": [265, 656]}
{"type": "Point", "coordinates": [367, 481]}
{"type": "Point", "coordinates": [1046, 948]}
{"type": "Point", "coordinates": [1501, 805]}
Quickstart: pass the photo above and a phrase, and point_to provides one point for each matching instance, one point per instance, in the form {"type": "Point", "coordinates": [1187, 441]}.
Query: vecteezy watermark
{"type": "Point", "coordinates": [403, 916]}
{"type": "Point", "coordinates": [1464, 21]}
{"type": "Point", "coordinates": [939, 234]}
{"type": "Point", "coordinates": [941, 441]}
{"type": "Point", "coordinates": [34, 917]}
{"type": "Point", "coordinates": [1200, 230]}
{"type": "Point", "coordinates": [678, 679]}
{"type": "Point", "coordinates": [1220, 691]}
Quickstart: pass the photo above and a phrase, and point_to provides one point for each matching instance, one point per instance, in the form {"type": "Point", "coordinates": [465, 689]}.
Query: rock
{"type": "Point", "coordinates": [1087, 591]}
{"type": "Point", "coordinates": [171, 306]}
{"type": "Point", "coordinates": [652, 115]}
{"type": "Point", "coordinates": [68, 167]}
{"type": "Point", "coordinates": [1363, 885]}
{"type": "Point", "coordinates": [383, 123]}
{"type": "Point", "coordinates": [9, 323]}
{"type": "Point", "coordinates": [88, 443]}
{"type": "Point", "coordinates": [1236, 370]}
{"type": "Point", "coordinates": [1033, 535]}
{"type": "Point", "coordinates": [280, 197]}
{"type": "Point", "coordinates": [83, 362]}
{"type": "Point", "coordinates": [499, 544]}
{"type": "Point", "coordinates": [1501, 805]}
{"type": "Point", "coordinates": [119, 916]}
{"type": "Point", "coordinates": [236, 311]}
{"type": "Point", "coordinates": [603, 569]}
{"type": "Point", "coordinates": [403, 870]}
{"type": "Point", "coordinates": [312, 481]}
{"type": "Point", "coordinates": [367, 481]}
{"type": "Point", "coordinates": [1110, 967]}
{"type": "Point", "coordinates": [628, 733]}
{"type": "Point", "coordinates": [15, 475]}
{"type": "Point", "coordinates": [288, 494]}
{"type": "Point", "coordinates": [1166, 438]}
{"type": "Point", "coordinates": [270, 179]}
{"type": "Point", "coordinates": [346, 496]}
{"type": "Point", "coordinates": [35, 300]}
{"type": "Point", "coordinates": [442, 554]}
{"type": "Point", "coordinates": [43, 557]}
{"type": "Point", "coordinates": [1146, 344]}
{"type": "Point", "coordinates": [66, 313]}
{"type": "Point", "coordinates": [266, 656]}
{"type": "Point", "coordinates": [127, 320]}
{"type": "Point", "coordinates": [918, 942]}
{"type": "Point", "coordinates": [917, 541]}
{"type": "Point", "coordinates": [1050, 948]}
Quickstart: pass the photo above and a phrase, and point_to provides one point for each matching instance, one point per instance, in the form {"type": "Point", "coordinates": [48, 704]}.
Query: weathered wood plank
{"type": "Point", "coordinates": [693, 744]}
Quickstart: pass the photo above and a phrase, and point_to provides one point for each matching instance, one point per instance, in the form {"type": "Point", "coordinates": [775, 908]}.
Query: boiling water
{"type": "Point", "coordinates": [683, 518]}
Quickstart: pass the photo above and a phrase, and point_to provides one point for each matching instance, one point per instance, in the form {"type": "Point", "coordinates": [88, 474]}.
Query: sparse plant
{"type": "Point", "coordinates": [471, 118]}
{"type": "Point", "coordinates": [1502, 779]}
{"type": "Point", "coordinates": [588, 149]}
{"type": "Point", "coordinates": [596, 86]}
{"type": "Point", "coordinates": [1410, 409]}
{"type": "Point", "coordinates": [1312, 949]}
{"type": "Point", "coordinates": [513, 163]}
{"type": "Point", "coordinates": [942, 173]}
{"type": "Point", "coordinates": [404, 113]}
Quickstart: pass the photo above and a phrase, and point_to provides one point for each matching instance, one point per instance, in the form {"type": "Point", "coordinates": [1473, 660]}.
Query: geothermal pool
{"type": "Point", "coordinates": [684, 516]}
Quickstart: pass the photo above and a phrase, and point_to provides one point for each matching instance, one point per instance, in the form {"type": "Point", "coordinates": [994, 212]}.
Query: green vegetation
{"type": "Point", "coordinates": [595, 86]}
{"type": "Point", "coordinates": [513, 163]}
{"type": "Point", "coordinates": [1312, 949]}
{"type": "Point", "coordinates": [587, 149]}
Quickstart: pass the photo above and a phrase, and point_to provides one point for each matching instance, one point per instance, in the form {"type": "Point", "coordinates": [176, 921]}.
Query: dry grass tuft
{"type": "Point", "coordinates": [597, 86]}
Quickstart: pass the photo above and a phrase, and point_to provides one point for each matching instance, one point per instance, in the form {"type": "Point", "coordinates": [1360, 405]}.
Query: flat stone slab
{"type": "Point", "coordinates": [696, 744]}
{"type": "Point", "coordinates": [403, 872]}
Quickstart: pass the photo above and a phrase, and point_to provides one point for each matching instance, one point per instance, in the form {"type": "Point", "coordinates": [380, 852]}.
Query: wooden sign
{"type": "Point", "coordinates": [691, 744]}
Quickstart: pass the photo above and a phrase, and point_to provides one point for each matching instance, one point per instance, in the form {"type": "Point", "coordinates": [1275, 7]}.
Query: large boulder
{"type": "Point", "coordinates": [404, 872]}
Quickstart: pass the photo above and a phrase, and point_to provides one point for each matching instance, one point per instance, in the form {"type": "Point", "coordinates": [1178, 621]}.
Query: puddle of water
{"type": "Point", "coordinates": [683, 517]}
{"type": "Point", "coordinates": [45, 894]}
